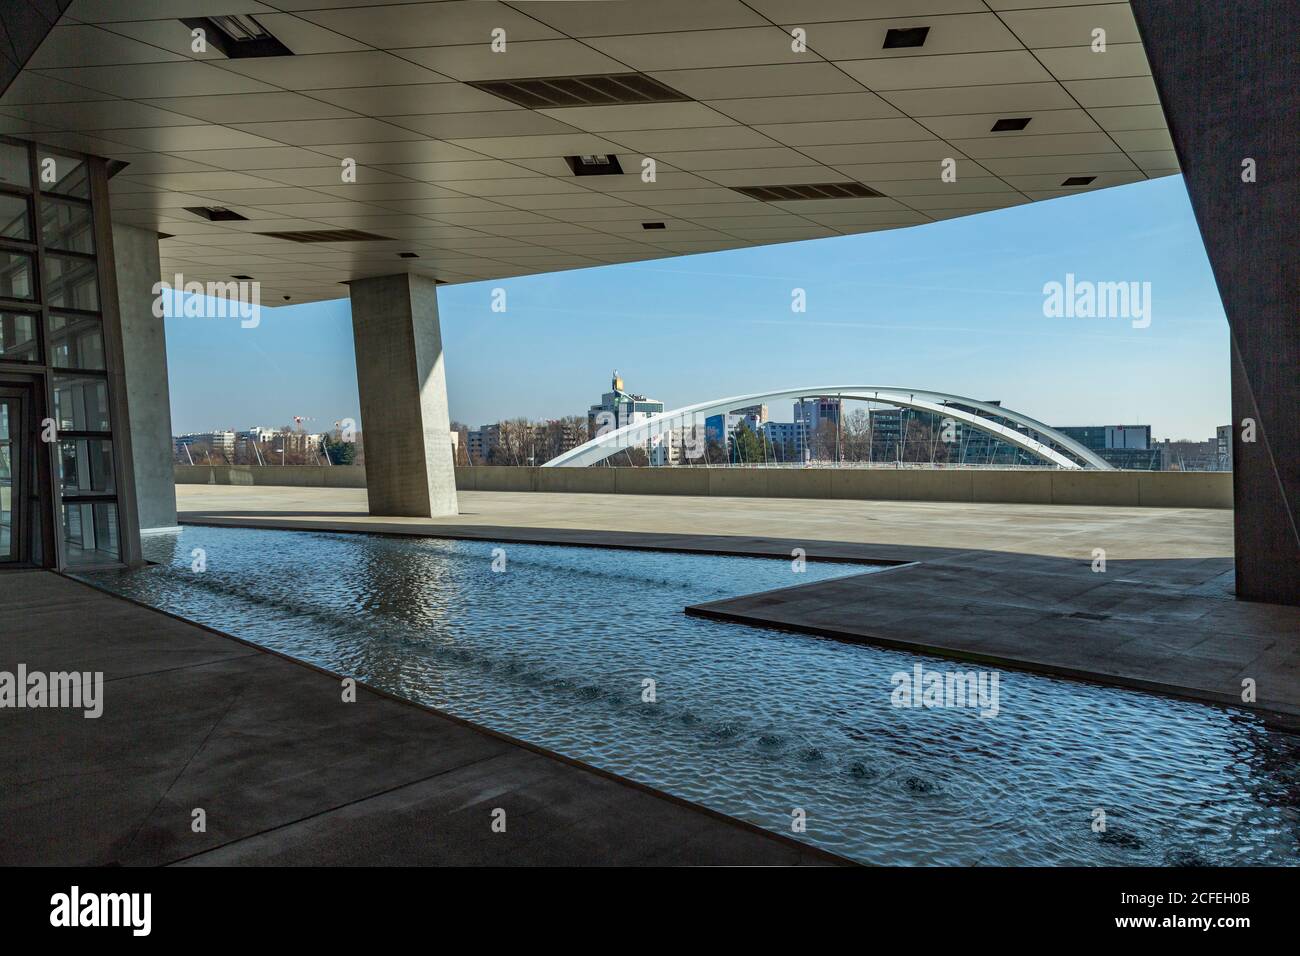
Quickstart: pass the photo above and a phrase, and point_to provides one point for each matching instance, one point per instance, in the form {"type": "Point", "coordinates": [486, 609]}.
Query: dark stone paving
{"type": "Point", "coordinates": [285, 771]}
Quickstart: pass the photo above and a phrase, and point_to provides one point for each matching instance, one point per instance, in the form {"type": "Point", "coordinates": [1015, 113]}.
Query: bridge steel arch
{"type": "Point", "coordinates": [603, 446]}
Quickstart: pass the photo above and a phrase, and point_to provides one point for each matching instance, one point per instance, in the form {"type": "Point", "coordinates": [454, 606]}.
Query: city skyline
{"type": "Point", "coordinates": [982, 330]}
{"type": "Point", "coordinates": [317, 426]}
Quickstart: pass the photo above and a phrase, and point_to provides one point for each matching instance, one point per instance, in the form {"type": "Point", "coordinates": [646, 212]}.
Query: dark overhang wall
{"type": "Point", "coordinates": [1228, 75]}
{"type": "Point", "coordinates": [23, 26]}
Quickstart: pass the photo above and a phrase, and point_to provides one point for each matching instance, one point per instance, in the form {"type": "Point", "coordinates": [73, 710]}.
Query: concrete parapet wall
{"type": "Point", "coordinates": [1120, 489]}
{"type": "Point", "coordinates": [1129, 489]}
{"type": "Point", "coordinates": [1157, 488]}
{"type": "Point", "coordinates": [296, 476]}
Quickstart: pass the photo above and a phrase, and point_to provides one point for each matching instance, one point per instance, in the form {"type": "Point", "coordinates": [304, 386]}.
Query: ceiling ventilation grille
{"type": "Point", "coordinates": [215, 213]}
{"type": "Point", "coordinates": [328, 235]}
{"type": "Point", "coordinates": [606, 89]}
{"type": "Point", "coordinates": [808, 191]}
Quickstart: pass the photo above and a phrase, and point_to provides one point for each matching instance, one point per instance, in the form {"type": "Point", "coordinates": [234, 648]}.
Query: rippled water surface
{"type": "Point", "coordinates": [754, 723]}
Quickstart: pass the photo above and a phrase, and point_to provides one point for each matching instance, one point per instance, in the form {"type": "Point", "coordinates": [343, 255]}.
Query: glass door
{"type": "Point", "coordinates": [12, 461]}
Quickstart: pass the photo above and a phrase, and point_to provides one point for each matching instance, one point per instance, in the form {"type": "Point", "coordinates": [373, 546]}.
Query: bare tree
{"type": "Point", "coordinates": [855, 439]}
{"type": "Point", "coordinates": [823, 441]}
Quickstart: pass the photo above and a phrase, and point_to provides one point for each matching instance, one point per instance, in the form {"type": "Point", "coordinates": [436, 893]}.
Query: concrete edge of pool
{"type": "Point", "coordinates": [1163, 626]}
{"type": "Point", "coordinates": [287, 774]}
{"type": "Point", "coordinates": [720, 611]}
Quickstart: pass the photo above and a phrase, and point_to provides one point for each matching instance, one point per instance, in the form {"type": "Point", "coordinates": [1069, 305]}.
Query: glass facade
{"type": "Point", "coordinates": [53, 344]}
{"type": "Point", "coordinates": [18, 337]}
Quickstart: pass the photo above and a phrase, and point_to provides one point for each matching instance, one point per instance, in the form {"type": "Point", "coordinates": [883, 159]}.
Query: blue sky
{"type": "Point", "coordinates": [954, 306]}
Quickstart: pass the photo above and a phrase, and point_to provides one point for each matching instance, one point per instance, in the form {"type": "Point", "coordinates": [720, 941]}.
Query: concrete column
{"type": "Point", "coordinates": [144, 364]}
{"type": "Point", "coordinates": [405, 425]}
{"type": "Point", "coordinates": [1225, 73]}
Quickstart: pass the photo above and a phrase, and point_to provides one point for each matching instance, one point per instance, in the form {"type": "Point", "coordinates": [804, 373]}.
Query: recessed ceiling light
{"type": "Point", "coordinates": [1079, 181]}
{"type": "Point", "coordinates": [596, 164]}
{"type": "Point", "coordinates": [238, 35]}
{"type": "Point", "coordinates": [653, 225]}
{"type": "Point", "coordinates": [1009, 125]}
{"type": "Point", "coordinates": [241, 26]}
{"type": "Point", "coordinates": [215, 213]}
{"type": "Point", "coordinates": [900, 38]}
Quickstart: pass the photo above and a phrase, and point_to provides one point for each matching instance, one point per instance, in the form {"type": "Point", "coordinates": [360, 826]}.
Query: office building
{"type": "Point", "coordinates": [1124, 446]}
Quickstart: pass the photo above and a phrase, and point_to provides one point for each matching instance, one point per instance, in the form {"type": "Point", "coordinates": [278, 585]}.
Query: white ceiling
{"type": "Point", "coordinates": [477, 187]}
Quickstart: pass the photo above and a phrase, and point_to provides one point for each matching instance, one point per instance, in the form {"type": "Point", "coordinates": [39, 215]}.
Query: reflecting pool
{"type": "Point", "coordinates": [556, 645]}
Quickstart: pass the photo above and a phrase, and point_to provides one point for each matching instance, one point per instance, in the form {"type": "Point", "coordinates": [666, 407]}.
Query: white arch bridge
{"type": "Point", "coordinates": [1032, 436]}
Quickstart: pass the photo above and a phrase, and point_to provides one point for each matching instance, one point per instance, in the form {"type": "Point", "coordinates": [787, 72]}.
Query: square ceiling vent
{"type": "Point", "coordinates": [904, 37]}
{"type": "Point", "coordinates": [1010, 125]}
{"type": "Point", "coordinates": [598, 164]}
{"type": "Point", "coordinates": [215, 213]}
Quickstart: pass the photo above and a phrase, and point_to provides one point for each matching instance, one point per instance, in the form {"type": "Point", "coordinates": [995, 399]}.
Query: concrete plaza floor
{"type": "Point", "coordinates": [910, 529]}
{"type": "Point", "coordinates": [1009, 585]}
{"type": "Point", "coordinates": [285, 771]}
